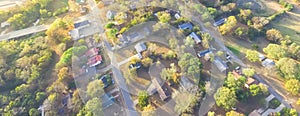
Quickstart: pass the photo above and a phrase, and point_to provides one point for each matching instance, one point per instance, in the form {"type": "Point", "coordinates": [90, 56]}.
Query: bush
{"type": "Point", "coordinates": [60, 11]}
{"type": "Point", "coordinates": [274, 103]}
{"type": "Point", "coordinates": [109, 25]}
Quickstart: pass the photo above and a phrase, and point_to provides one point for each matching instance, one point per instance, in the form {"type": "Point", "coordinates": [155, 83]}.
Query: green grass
{"type": "Point", "coordinates": [285, 29]}
{"type": "Point", "coordinates": [234, 49]}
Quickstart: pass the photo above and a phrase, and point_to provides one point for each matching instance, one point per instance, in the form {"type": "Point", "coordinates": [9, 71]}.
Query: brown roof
{"type": "Point", "coordinates": [250, 80]}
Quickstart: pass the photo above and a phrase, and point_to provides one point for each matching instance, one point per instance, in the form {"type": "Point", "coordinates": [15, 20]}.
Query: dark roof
{"type": "Point", "coordinates": [219, 22]}
{"type": "Point", "coordinates": [104, 80]}
{"type": "Point", "coordinates": [202, 53]}
{"type": "Point", "coordinates": [195, 37]}
{"type": "Point", "coordinates": [186, 26]}
{"type": "Point", "coordinates": [107, 100]}
{"type": "Point", "coordinates": [83, 23]}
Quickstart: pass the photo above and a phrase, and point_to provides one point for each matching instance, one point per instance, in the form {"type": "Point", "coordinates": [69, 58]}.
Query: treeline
{"type": "Point", "coordinates": [22, 67]}
{"type": "Point", "coordinates": [30, 12]}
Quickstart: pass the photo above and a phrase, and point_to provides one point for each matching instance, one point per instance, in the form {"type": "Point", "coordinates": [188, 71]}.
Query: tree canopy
{"type": "Point", "coordinates": [225, 98]}
{"type": "Point", "coordinates": [293, 86]}
{"type": "Point", "coordinates": [252, 55]}
{"type": "Point", "coordinates": [275, 51]}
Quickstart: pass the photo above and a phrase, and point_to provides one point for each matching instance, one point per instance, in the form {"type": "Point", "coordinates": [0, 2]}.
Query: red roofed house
{"type": "Point", "coordinates": [95, 60]}
{"type": "Point", "coordinates": [92, 52]}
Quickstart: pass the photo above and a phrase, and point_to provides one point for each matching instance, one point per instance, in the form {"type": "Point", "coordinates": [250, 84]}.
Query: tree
{"type": "Point", "coordinates": [230, 24]}
{"type": "Point", "coordinates": [143, 98]}
{"type": "Point", "coordinates": [76, 101]}
{"type": "Point", "coordinates": [164, 17]}
{"type": "Point", "coordinates": [245, 14]}
{"type": "Point", "coordinates": [189, 42]}
{"type": "Point", "coordinates": [234, 84]}
{"type": "Point", "coordinates": [288, 112]}
{"type": "Point", "coordinates": [211, 113]}
{"type": "Point", "coordinates": [95, 88]}
{"type": "Point", "coordinates": [274, 35]}
{"type": "Point", "coordinates": [275, 51]}
{"type": "Point", "coordinates": [148, 111]}
{"type": "Point", "coordinates": [248, 72]}
{"type": "Point", "coordinates": [169, 73]}
{"type": "Point", "coordinates": [293, 86]}
{"type": "Point", "coordinates": [298, 101]}
{"type": "Point", "coordinates": [173, 43]}
{"type": "Point", "coordinates": [59, 30]}
{"type": "Point", "coordinates": [288, 68]}
{"type": "Point", "coordinates": [234, 113]}
{"type": "Point", "coordinates": [186, 99]}
{"type": "Point", "coordinates": [259, 22]}
{"type": "Point", "coordinates": [147, 62]}
{"type": "Point", "coordinates": [225, 98]}
{"type": "Point", "coordinates": [254, 90]}
{"type": "Point", "coordinates": [95, 106]}
{"type": "Point", "coordinates": [33, 112]}
{"type": "Point", "coordinates": [263, 88]}
{"type": "Point", "coordinates": [190, 65]}
{"type": "Point", "coordinates": [206, 39]}
{"type": "Point", "coordinates": [252, 55]}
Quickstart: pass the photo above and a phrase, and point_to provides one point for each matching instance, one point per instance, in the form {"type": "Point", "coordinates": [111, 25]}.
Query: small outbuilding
{"type": "Point", "coordinates": [195, 37]}
{"type": "Point", "coordinates": [140, 47]}
{"type": "Point", "coordinates": [187, 25]}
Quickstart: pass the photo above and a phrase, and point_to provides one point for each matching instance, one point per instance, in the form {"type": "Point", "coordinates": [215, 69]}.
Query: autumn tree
{"type": "Point", "coordinates": [234, 113]}
{"type": "Point", "coordinates": [274, 35]}
{"type": "Point", "coordinates": [146, 62]}
{"type": "Point", "coordinates": [229, 24]}
{"type": "Point", "coordinates": [293, 86]}
{"type": "Point", "coordinates": [225, 98]}
{"type": "Point", "coordinates": [275, 51]}
{"type": "Point", "coordinates": [59, 30]}
{"type": "Point", "coordinates": [252, 55]}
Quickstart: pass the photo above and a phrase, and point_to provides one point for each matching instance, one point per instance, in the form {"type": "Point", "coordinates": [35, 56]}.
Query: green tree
{"type": "Point", "coordinates": [275, 51]}
{"type": "Point", "coordinates": [248, 72]}
{"type": "Point", "coordinates": [293, 86]}
{"type": "Point", "coordinates": [190, 65]}
{"type": "Point", "coordinates": [225, 98]}
{"type": "Point", "coordinates": [59, 30]}
{"type": "Point", "coordinates": [263, 88]}
{"type": "Point", "coordinates": [211, 113]}
{"type": "Point", "coordinates": [288, 68]}
{"type": "Point", "coordinates": [254, 90]}
{"type": "Point", "coordinates": [33, 112]}
{"type": "Point", "coordinates": [230, 24]}
{"type": "Point", "coordinates": [143, 98]}
{"type": "Point", "coordinates": [252, 55]}
{"type": "Point", "coordinates": [189, 42]}
{"type": "Point", "coordinates": [147, 62]}
{"type": "Point", "coordinates": [95, 106]}
{"type": "Point", "coordinates": [95, 88]}
{"type": "Point", "coordinates": [164, 17]}
{"type": "Point", "coordinates": [173, 43]}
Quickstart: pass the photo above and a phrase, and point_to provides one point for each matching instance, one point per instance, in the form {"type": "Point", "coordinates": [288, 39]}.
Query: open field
{"type": "Point", "coordinates": [290, 25]}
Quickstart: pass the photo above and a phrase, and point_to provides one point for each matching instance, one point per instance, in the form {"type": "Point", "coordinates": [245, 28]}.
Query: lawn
{"type": "Point", "coordinates": [234, 49]}
{"type": "Point", "coordinates": [289, 26]}
{"type": "Point", "coordinates": [57, 4]}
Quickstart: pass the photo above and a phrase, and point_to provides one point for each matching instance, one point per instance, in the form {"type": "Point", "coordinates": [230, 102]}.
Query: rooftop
{"type": "Point", "coordinates": [95, 60]}
{"type": "Point", "coordinates": [81, 24]}
{"type": "Point", "coordinates": [186, 26]}
{"type": "Point", "coordinates": [140, 47]}
{"type": "Point", "coordinates": [195, 37]}
{"type": "Point", "coordinates": [220, 64]}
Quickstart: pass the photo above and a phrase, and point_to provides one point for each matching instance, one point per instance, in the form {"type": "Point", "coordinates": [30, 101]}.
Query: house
{"type": "Point", "coordinates": [107, 100]}
{"type": "Point", "coordinates": [95, 60]}
{"type": "Point", "coordinates": [218, 23]}
{"type": "Point", "coordinates": [220, 64]}
{"type": "Point", "coordinates": [202, 53]}
{"type": "Point", "coordinates": [250, 81]}
{"type": "Point", "coordinates": [140, 47]}
{"type": "Point", "coordinates": [268, 63]}
{"type": "Point", "coordinates": [110, 14]}
{"type": "Point", "coordinates": [186, 26]}
{"type": "Point", "coordinates": [92, 52]}
{"type": "Point", "coordinates": [161, 91]}
{"type": "Point", "coordinates": [81, 24]}
{"type": "Point", "coordinates": [195, 37]}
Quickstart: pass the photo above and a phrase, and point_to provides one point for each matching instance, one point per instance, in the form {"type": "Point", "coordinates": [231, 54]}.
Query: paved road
{"type": "Point", "coordinates": [23, 32]}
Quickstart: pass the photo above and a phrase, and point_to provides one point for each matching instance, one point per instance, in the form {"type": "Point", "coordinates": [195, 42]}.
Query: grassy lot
{"type": "Point", "coordinates": [265, 10]}
{"type": "Point", "coordinates": [234, 49]}
{"type": "Point", "coordinates": [56, 4]}
{"type": "Point", "coordinates": [289, 25]}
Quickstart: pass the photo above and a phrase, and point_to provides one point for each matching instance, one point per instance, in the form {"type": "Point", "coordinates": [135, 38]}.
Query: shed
{"type": "Point", "coordinates": [186, 26]}
{"type": "Point", "coordinates": [195, 37]}
{"type": "Point", "coordinates": [202, 53]}
{"type": "Point", "coordinates": [82, 24]}
{"type": "Point", "coordinates": [268, 63]}
{"type": "Point", "coordinates": [140, 47]}
{"type": "Point", "coordinates": [219, 22]}
{"type": "Point", "coordinates": [220, 64]}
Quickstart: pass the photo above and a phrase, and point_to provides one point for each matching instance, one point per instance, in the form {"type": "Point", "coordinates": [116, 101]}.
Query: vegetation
{"type": "Point", "coordinates": [229, 25]}
{"type": "Point", "coordinates": [234, 113]}
{"type": "Point", "coordinates": [293, 86]}
{"type": "Point", "coordinates": [59, 30]}
{"type": "Point", "coordinates": [252, 55]}
{"type": "Point", "coordinates": [225, 98]}
{"type": "Point", "coordinates": [190, 65]}
{"type": "Point", "coordinates": [143, 99]}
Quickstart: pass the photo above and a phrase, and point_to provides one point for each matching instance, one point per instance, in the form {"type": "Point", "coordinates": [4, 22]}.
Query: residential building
{"type": "Point", "coordinates": [92, 52]}
{"type": "Point", "coordinates": [195, 37]}
{"type": "Point", "coordinates": [221, 21]}
{"type": "Point", "coordinates": [95, 60]}
{"type": "Point", "coordinates": [268, 63]}
{"type": "Point", "coordinates": [220, 64]}
{"type": "Point", "coordinates": [203, 53]}
{"type": "Point", "coordinates": [140, 47]}
{"type": "Point", "coordinates": [186, 26]}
